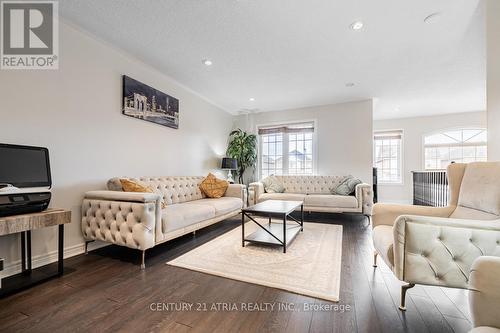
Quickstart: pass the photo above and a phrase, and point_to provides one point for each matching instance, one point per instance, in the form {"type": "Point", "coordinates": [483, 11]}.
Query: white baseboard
{"type": "Point", "coordinates": [14, 267]}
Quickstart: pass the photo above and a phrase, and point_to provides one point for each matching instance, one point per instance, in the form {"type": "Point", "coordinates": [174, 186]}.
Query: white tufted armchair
{"type": "Point", "coordinates": [138, 221]}
{"type": "Point", "coordinates": [436, 246]}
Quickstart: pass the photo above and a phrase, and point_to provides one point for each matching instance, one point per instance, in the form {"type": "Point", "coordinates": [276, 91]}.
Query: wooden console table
{"type": "Point", "coordinates": [24, 224]}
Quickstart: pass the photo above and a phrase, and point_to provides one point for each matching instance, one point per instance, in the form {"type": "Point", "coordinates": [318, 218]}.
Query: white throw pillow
{"type": "Point", "coordinates": [346, 186]}
{"type": "Point", "coordinates": [273, 185]}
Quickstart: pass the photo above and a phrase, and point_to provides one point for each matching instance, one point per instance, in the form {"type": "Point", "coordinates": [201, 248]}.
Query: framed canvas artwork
{"type": "Point", "coordinates": [144, 102]}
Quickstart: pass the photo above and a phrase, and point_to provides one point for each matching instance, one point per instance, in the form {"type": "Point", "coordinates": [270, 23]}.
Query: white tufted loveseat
{"type": "Point", "coordinates": [437, 245]}
{"type": "Point", "coordinates": [315, 192]}
{"type": "Point", "coordinates": [136, 220]}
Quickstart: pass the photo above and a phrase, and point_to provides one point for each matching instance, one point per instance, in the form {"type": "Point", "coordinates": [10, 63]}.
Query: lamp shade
{"type": "Point", "coordinates": [229, 163]}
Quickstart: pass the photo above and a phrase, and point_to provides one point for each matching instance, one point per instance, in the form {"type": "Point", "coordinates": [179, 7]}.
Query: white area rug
{"type": "Point", "coordinates": [310, 267]}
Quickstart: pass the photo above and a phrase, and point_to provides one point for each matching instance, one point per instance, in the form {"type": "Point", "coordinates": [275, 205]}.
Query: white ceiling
{"type": "Point", "coordinates": [296, 53]}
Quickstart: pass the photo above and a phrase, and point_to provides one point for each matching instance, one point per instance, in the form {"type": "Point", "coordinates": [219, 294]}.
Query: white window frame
{"type": "Point", "coordinates": [448, 129]}
{"type": "Point", "coordinates": [401, 158]}
{"type": "Point", "coordinates": [260, 149]}
{"type": "Point", "coordinates": [285, 143]}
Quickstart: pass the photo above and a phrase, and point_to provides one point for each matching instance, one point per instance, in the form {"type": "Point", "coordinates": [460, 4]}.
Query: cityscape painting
{"type": "Point", "coordinates": [144, 102]}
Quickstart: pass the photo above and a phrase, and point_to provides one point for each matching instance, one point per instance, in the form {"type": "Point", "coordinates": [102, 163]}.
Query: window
{"type": "Point", "coordinates": [460, 145]}
{"type": "Point", "coordinates": [286, 149]}
{"type": "Point", "coordinates": [387, 152]}
{"type": "Point", "coordinates": [271, 156]}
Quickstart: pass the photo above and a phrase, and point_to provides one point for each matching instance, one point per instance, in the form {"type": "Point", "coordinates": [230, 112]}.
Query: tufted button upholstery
{"type": "Point", "coordinates": [174, 189]}
{"type": "Point", "coordinates": [301, 187]}
{"type": "Point", "coordinates": [309, 184]}
{"type": "Point", "coordinates": [129, 224]}
{"type": "Point", "coordinates": [441, 249]}
{"type": "Point", "coordinates": [437, 245]}
{"type": "Point", "coordinates": [135, 219]}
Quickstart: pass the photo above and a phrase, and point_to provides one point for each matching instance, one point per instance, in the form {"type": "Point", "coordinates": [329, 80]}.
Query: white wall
{"type": "Point", "coordinates": [413, 131]}
{"type": "Point", "coordinates": [75, 112]}
{"type": "Point", "coordinates": [493, 78]}
{"type": "Point", "coordinates": [344, 135]}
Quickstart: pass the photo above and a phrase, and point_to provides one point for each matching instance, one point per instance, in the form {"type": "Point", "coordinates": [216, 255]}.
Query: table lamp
{"type": "Point", "coordinates": [229, 164]}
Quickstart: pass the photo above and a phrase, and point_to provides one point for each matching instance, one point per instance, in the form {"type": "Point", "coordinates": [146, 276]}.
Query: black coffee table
{"type": "Point", "coordinates": [274, 233]}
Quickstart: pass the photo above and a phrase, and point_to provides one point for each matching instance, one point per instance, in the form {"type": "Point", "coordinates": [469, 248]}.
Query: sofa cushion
{"type": "Point", "coordinates": [222, 205]}
{"type": "Point", "coordinates": [480, 188]}
{"type": "Point", "coordinates": [178, 216]}
{"type": "Point", "coordinates": [273, 185]}
{"type": "Point", "coordinates": [330, 200]}
{"type": "Point", "coordinates": [347, 186]}
{"type": "Point", "coordinates": [114, 184]}
{"type": "Point", "coordinates": [383, 241]}
{"type": "Point", "coordinates": [132, 186]}
{"type": "Point", "coordinates": [282, 196]}
{"type": "Point", "coordinates": [213, 187]}
{"type": "Point", "coordinates": [136, 186]}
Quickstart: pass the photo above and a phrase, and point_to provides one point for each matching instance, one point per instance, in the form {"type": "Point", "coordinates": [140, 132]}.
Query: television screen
{"type": "Point", "coordinates": [24, 166]}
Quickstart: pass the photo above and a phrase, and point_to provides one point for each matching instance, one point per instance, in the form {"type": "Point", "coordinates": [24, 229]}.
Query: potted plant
{"type": "Point", "coordinates": [243, 147]}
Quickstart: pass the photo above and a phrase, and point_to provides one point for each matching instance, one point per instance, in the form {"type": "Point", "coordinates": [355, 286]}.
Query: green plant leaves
{"type": "Point", "coordinates": [243, 147]}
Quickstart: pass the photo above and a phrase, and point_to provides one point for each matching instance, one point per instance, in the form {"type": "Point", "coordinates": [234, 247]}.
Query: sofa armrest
{"type": "Point", "coordinates": [258, 190]}
{"type": "Point", "coordinates": [440, 251]}
{"type": "Point", "coordinates": [124, 196]}
{"type": "Point", "coordinates": [237, 191]}
{"type": "Point", "coordinates": [364, 195]}
{"type": "Point", "coordinates": [386, 214]}
{"type": "Point", "coordinates": [131, 219]}
{"type": "Point", "coordinates": [126, 223]}
{"type": "Point", "coordinates": [484, 292]}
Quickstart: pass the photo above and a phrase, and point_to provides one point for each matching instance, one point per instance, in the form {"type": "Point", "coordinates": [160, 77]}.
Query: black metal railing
{"type": "Point", "coordinates": [430, 188]}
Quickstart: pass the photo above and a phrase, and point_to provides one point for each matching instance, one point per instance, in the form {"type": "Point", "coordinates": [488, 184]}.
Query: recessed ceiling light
{"type": "Point", "coordinates": [207, 62]}
{"type": "Point", "coordinates": [349, 84]}
{"type": "Point", "coordinates": [432, 17]}
{"type": "Point", "coordinates": [251, 99]}
{"type": "Point", "coordinates": [358, 25]}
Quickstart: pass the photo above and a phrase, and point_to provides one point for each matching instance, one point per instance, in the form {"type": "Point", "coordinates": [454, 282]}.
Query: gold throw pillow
{"type": "Point", "coordinates": [213, 187]}
{"type": "Point", "coordinates": [131, 186]}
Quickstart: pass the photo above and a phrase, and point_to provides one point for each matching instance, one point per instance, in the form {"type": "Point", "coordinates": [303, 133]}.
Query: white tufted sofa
{"type": "Point", "coordinates": [136, 220]}
{"type": "Point", "coordinates": [315, 192]}
{"type": "Point", "coordinates": [437, 245]}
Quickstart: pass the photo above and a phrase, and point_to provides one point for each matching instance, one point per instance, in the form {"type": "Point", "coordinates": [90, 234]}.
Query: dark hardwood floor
{"type": "Point", "coordinates": [107, 292]}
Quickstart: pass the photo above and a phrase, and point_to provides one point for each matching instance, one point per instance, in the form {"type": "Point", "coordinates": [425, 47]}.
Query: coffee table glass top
{"type": "Point", "coordinates": [274, 206]}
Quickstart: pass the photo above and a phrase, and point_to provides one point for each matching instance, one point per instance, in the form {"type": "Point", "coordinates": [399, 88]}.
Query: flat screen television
{"type": "Point", "coordinates": [24, 166]}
